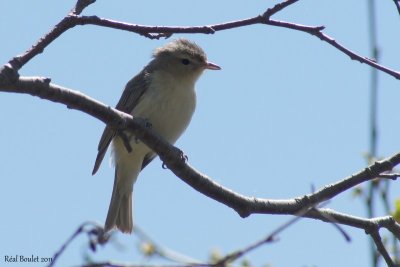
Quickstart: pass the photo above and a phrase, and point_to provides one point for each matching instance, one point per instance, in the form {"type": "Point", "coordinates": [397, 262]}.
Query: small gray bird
{"type": "Point", "coordinates": [163, 94]}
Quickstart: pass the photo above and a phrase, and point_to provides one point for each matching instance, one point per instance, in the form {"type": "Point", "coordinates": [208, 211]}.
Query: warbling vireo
{"type": "Point", "coordinates": [162, 93]}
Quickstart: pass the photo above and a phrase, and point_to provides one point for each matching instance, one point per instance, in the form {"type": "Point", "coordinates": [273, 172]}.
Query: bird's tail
{"type": "Point", "coordinates": [120, 211]}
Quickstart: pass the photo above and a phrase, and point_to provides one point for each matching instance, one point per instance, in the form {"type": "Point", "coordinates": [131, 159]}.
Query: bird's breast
{"type": "Point", "coordinates": [168, 107]}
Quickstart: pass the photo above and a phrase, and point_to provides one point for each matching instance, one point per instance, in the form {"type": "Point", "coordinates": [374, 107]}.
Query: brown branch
{"type": "Point", "coordinates": [164, 252]}
{"type": "Point", "coordinates": [72, 20]}
{"type": "Point", "coordinates": [95, 234]}
{"type": "Point", "coordinates": [397, 3]}
{"type": "Point", "coordinates": [381, 248]}
{"type": "Point", "coordinates": [184, 261]}
{"type": "Point", "coordinates": [233, 256]}
{"type": "Point", "coordinates": [80, 6]}
{"type": "Point", "coordinates": [278, 7]}
{"type": "Point", "coordinates": [172, 157]}
{"type": "Point", "coordinates": [156, 32]}
{"type": "Point", "coordinates": [326, 38]}
{"type": "Point", "coordinates": [392, 176]}
{"type": "Point", "coordinates": [369, 173]}
{"type": "Point", "coordinates": [65, 24]}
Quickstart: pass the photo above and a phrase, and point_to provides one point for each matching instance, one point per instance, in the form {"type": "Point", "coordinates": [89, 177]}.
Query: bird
{"type": "Point", "coordinates": [162, 93]}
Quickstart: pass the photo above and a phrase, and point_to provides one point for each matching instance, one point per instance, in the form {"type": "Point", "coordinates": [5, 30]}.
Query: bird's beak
{"type": "Point", "coordinates": [212, 66]}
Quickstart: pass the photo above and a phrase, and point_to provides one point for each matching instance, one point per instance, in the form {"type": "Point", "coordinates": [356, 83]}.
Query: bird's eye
{"type": "Point", "coordinates": [185, 61]}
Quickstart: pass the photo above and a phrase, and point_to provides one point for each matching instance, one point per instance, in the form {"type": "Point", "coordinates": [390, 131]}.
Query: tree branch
{"type": "Point", "coordinates": [65, 24]}
{"type": "Point", "coordinates": [171, 156]}
{"type": "Point", "coordinates": [97, 236]}
{"type": "Point", "coordinates": [166, 253]}
{"type": "Point", "coordinates": [397, 3]}
{"type": "Point", "coordinates": [381, 248]}
{"type": "Point", "coordinates": [317, 31]}
{"type": "Point", "coordinates": [156, 32]}
{"type": "Point", "coordinates": [95, 233]}
{"type": "Point", "coordinates": [80, 6]}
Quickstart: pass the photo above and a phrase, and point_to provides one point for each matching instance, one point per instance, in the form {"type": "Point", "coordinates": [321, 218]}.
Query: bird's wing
{"type": "Point", "coordinates": [148, 158]}
{"type": "Point", "coordinates": [133, 91]}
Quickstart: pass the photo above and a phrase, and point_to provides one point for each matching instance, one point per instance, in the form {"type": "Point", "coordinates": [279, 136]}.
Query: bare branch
{"type": "Point", "coordinates": [156, 32]}
{"type": "Point", "coordinates": [313, 30]}
{"type": "Point", "coordinates": [335, 224]}
{"type": "Point", "coordinates": [95, 230]}
{"type": "Point", "coordinates": [165, 252]}
{"type": "Point", "coordinates": [152, 32]}
{"type": "Point", "coordinates": [397, 3]}
{"type": "Point", "coordinates": [381, 248]}
{"type": "Point", "coordinates": [185, 261]}
{"type": "Point", "coordinates": [65, 24]}
{"type": "Point", "coordinates": [268, 239]}
{"type": "Point", "coordinates": [367, 174]}
{"type": "Point", "coordinates": [392, 176]}
{"type": "Point", "coordinates": [19, 61]}
{"type": "Point", "coordinates": [373, 230]}
{"type": "Point", "coordinates": [278, 7]}
{"type": "Point", "coordinates": [172, 157]}
{"type": "Point", "coordinates": [317, 31]}
{"type": "Point", "coordinates": [80, 6]}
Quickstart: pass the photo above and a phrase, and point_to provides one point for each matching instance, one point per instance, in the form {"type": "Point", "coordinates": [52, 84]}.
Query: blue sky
{"type": "Point", "coordinates": [287, 112]}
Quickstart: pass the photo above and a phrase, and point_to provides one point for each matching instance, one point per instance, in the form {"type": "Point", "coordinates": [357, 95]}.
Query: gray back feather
{"type": "Point", "coordinates": [133, 91]}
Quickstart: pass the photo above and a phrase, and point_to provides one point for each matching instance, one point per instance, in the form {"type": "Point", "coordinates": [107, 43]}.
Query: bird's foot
{"type": "Point", "coordinates": [147, 124]}
{"type": "Point", "coordinates": [183, 158]}
{"type": "Point", "coordinates": [125, 139]}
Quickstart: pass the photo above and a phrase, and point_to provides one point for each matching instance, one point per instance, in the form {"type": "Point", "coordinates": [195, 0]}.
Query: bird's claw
{"type": "Point", "coordinates": [182, 157]}
{"type": "Point", "coordinates": [125, 140]}
{"type": "Point", "coordinates": [147, 123]}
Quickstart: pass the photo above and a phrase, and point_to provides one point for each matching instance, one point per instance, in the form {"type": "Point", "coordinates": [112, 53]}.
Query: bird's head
{"type": "Point", "coordinates": [183, 58]}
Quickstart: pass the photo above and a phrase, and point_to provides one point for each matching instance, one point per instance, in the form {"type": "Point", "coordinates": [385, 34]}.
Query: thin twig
{"type": "Point", "coordinates": [165, 252]}
{"type": "Point", "coordinates": [155, 32]}
{"type": "Point", "coordinates": [324, 37]}
{"type": "Point", "coordinates": [152, 32]}
{"type": "Point", "coordinates": [373, 121]}
{"type": "Point", "coordinates": [81, 229]}
{"type": "Point", "coordinates": [384, 192]}
{"type": "Point", "coordinates": [278, 7]}
{"type": "Point", "coordinates": [397, 3]}
{"type": "Point", "coordinates": [335, 224]}
{"type": "Point", "coordinates": [80, 6]}
{"type": "Point", "coordinates": [65, 245]}
{"type": "Point", "coordinates": [392, 176]}
{"type": "Point", "coordinates": [313, 30]}
{"type": "Point", "coordinates": [365, 175]}
{"type": "Point", "coordinates": [18, 62]}
{"type": "Point", "coordinates": [224, 261]}
{"type": "Point", "coordinates": [171, 155]}
{"type": "Point", "coordinates": [233, 256]}
{"type": "Point", "coordinates": [381, 248]}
